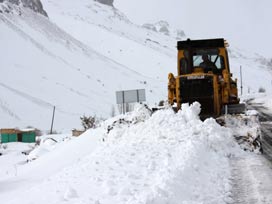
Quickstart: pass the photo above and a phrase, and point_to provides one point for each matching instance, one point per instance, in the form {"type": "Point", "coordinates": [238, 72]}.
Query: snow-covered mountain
{"type": "Point", "coordinates": [43, 66]}
{"type": "Point", "coordinates": [81, 54]}
{"type": "Point", "coordinates": [34, 5]}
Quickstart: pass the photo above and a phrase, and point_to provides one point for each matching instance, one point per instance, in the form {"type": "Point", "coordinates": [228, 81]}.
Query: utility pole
{"type": "Point", "coordinates": [51, 130]}
{"type": "Point", "coordinates": [123, 106]}
{"type": "Point", "coordinates": [241, 80]}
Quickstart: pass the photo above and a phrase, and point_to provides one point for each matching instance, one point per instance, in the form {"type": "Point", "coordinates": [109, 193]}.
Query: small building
{"type": "Point", "coordinates": [16, 135]}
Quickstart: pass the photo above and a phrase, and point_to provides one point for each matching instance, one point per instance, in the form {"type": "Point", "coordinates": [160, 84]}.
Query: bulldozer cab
{"type": "Point", "coordinates": [199, 57]}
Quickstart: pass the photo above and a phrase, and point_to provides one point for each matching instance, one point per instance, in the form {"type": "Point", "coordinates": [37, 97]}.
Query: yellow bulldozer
{"type": "Point", "coordinates": [203, 75]}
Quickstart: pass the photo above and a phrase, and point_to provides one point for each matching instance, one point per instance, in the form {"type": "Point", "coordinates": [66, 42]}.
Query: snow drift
{"type": "Point", "coordinates": [163, 158]}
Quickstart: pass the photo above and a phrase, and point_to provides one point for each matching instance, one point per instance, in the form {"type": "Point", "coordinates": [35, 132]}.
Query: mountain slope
{"type": "Point", "coordinates": [45, 67]}
{"type": "Point", "coordinates": [110, 33]}
{"type": "Point", "coordinates": [81, 55]}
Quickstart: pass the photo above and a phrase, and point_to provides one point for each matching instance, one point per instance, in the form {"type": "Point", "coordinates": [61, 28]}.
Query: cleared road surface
{"type": "Point", "coordinates": [252, 174]}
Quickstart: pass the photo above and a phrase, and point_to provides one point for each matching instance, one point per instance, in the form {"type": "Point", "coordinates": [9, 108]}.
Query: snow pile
{"type": "Point", "coordinates": [44, 147]}
{"type": "Point", "coordinates": [246, 129]}
{"type": "Point", "coordinates": [168, 158]}
{"type": "Point", "coordinates": [140, 114]}
{"type": "Point", "coordinates": [47, 144]}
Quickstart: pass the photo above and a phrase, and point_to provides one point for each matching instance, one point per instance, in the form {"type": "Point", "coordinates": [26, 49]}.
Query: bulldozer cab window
{"type": "Point", "coordinates": [210, 60]}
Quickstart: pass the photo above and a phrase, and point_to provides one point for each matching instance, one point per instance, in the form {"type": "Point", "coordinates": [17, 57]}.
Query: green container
{"type": "Point", "coordinates": [25, 137]}
{"type": "Point", "coordinates": [29, 137]}
{"type": "Point", "coordinates": [5, 137]}
{"type": "Point", "coordinates": [13, 138]}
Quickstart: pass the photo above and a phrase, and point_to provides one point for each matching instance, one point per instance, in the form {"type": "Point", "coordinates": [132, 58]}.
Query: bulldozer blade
{"type": "Point", "coordinates": [234, 108]}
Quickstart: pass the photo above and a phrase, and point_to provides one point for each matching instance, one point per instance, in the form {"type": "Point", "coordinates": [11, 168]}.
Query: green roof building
{"type": "Point", "coordinates": [15, 135]}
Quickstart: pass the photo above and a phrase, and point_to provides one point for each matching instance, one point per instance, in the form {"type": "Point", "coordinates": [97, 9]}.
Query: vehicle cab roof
{"type": "Point", "coordinates": [206, 43]}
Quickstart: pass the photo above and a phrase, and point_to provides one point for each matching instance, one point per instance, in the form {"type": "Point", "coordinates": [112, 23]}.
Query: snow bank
{"type": "Point", "coordinates": [246, 129]}
{"type": "Point", "coordinates": [44, 147]}
{"type": "Point", "coordinates": [47, 143]}
{"type": "Point", "coordinates": [168, 158]}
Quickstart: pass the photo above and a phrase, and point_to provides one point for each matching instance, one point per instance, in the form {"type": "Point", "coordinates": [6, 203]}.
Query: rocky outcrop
{"type": "Point", "coordinates": [164, 28]}
{"type": "Point", "coordinates": [106, 2]}
{"type": "Point", "coordinates": [180, 34]}
{"type": "Point", "coordinates": [34, 5]}
{"type": "Point", "coordinates": [265, 61]}
{"type": "Point", "coordinates": [150, 26]}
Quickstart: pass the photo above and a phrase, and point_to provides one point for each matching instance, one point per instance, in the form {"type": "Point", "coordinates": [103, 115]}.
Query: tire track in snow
{"type": "Point", "coordinates": [251, 180]}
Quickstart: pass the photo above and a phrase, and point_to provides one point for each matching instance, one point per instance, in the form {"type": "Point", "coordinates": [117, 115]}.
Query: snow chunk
{"type": "Point", "coordinates": [190, 112]}
{"type": "Point", "coordinates": [70, 193]}
{"type": "Point", "coordinates": [252, 112]}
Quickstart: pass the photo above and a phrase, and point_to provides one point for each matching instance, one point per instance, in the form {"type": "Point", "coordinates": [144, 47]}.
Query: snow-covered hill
{"type": "Point", "coordinates": [78, 57]}
{"type": "Point", "coordinates": [43, 66]}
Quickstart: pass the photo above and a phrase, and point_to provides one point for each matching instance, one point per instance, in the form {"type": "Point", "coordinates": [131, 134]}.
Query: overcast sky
{"type": "Point", "coordinates": [244, 23]}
